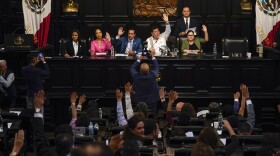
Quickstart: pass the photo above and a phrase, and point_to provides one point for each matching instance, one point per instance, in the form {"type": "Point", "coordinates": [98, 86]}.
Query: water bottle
{"type": "Point", "coordinates": [100, 113]}
{"type": "Point", "coordinates": [112, 51]}
{"type": "Point", "coordinates": [215, 49]}
{"type": "Point", "coordinates": [90, 130]}
{"type": "Point", "coordinates": [96, 126]}
{"type": "Point", "coordinates": [220, 120]}
{"type": "Point", "coordinates": [1, 124]}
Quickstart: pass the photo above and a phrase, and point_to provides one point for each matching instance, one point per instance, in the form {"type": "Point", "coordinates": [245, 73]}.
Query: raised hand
{"type": "Point", "coordinates": [18, 142]}
{"type": "Point", "coordinates": [162, 93]}
{"type": "Point", "coordinates": [119, 95]}
{"type": "Point", "coordinates": [173, 95]}
{"type": "Point", "coordinates": [73, 97]}
{"type": "Point", "coordinates": [82, 99]}
{"type": "Point", "coordinates": [204, 28]}
{"type": "Point", "coordinates": [39, 99]}
{"type": "Point", "coordinates": [152, 52]}
{"type": "Point", "coordinates": [107, 36]}
{"type": "Point", "coordinates": [245, 91]}
{"type": "Point", "coordinates": [128, 87]}
{"type": "Point", "coordinates": [236, 95]}
{"type": "Point", "coordinates": [165, 18]}
{"type": "Point", "coordinates": [120, 31]}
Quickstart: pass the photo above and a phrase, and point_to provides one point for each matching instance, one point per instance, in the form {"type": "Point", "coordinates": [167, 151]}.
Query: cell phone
{"type": "Point", "coordinates": [40, 55]}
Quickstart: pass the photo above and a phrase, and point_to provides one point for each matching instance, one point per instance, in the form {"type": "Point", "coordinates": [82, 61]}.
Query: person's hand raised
{"type": "Point", "coordinates": [173, 95]}
{"type": "Point", "coordinates": [39, 99]}
{"type": "Point", "coordinates": [82, 99]}
{"type": "Point", "coordinates": [236, 95]}
{"type": "Point", "coordinates": [119, 95]}
{"type": "Point", "coordinates": [165, 18]}
{"type": "Point", "coordinates": [120, 31]}
{"type": "Point", "coordinates": [128, 88]}
{"type": "Point", "coordinates": [107, 36]}
{"type": "Point", "coordinates": [162, 93]}
{"type": "Point", "coordinates": [73, 97]}
{"type": "Point", "coordinates": [204, 28]}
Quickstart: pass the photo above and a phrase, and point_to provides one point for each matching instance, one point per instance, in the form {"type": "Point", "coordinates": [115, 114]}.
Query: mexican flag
{"type": "Point", "coordinates": [37, 16]}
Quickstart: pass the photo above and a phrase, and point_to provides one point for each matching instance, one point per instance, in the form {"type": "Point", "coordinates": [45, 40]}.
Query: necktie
{"type": "Point", "coordinates": [187, 24]}
{"type": "Point", "coordinates": [130, 46]}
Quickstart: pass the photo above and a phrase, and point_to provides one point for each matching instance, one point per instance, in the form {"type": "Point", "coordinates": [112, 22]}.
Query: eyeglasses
{"type": "Point", "coordinates": [190, 35]}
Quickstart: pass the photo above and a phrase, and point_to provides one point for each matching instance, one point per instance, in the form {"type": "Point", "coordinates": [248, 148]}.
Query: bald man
{"type": "Point", "coordinates": [144, 83]}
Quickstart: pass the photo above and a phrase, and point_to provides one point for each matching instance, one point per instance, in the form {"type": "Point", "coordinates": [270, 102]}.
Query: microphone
{"type": "Point", "coordinates": [145, 43]}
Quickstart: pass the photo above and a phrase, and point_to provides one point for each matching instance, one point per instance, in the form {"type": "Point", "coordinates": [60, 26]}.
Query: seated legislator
{"type": "Point", "coordinates": [74, 47]}
{"type": "Point", "coordinates": [193, 44]}
{"type": "Point", "coordinates": [158, 39]}
{"type": "Point", "coordinates": [128, 45]}
{"type": "Point", "coordinates": [100, 44]}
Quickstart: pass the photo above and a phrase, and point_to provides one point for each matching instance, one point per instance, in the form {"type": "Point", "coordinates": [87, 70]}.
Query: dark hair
{"type": "Point", "coordinates": [214, 107]}
{"type": "Point", "coordinates": [77, 31]}
{"type": "Point", "coordinates": [189, 32]}
{"type": "Point", "coordinates": [63, 143]}
{"type": "Point", "coordinates": [77, 152]}
{"type": "Point", "coordinates": [142, 107]}
{"type": "Point", "coordinates": [208, 136]}
{"type": "Point", "coordinates": [130, 148]}
{"type": "Point", "coordinates": [244, 128]}
{"type": "Point", "coordinates": [154, 26]}
{"type": "Point", "coordinates": [267, 151]}
{"type": "Point", "coordinates": [133, 121]}
{"type": "Point", "coordinates": [30, 58]}
{"type": "Point", "coordinates": [186, 7]}
{"type": "Point", "coordinates": [95, 32]}
{"type": "Point", "coordinates": [150, 125]}
{"type": "Point", "coordinates": [188, 107]}
{"type": "Point", "coordinates": [131, 28]}
{"type": "Point", "coordinates": [92, 109]}
{"type": "Point", "coordinates": [64, 128]}
{"type": "Point", "coordinates": [227, 110]}
{"type": "Point", "coordinates": [202, 149]}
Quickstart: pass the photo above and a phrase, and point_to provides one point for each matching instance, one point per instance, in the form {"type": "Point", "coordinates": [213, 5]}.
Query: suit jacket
{"type": "Point", "coordinates": [123, 41]}
{"type": "Point", "coordinates": [145, 85]}
{"type": "Point", "coordinates": [40, 140]}
{"type": "Point", "coordinates": [69, 49]}
{"type": "Point", "coordinates": [180, 26]}
{"type": "Point", "coordinates": [34, 77]}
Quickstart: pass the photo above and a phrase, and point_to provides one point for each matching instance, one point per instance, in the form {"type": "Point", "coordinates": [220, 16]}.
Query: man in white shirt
{"type": "Point", "coordinates": [158, 39]}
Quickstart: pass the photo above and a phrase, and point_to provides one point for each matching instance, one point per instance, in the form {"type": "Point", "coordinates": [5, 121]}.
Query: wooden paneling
{"type": "Point", "coordinates": [94, 8]}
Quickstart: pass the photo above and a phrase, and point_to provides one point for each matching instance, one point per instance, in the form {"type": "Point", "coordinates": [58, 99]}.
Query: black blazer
{"type": "Point", "coordinates": [69, 49]}
{"type": "Point", "coordinates": [180, 26]}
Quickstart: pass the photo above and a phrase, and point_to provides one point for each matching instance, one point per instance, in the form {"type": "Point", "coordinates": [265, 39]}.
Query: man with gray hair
{"type": "Point", "coordinates": [8, 93]}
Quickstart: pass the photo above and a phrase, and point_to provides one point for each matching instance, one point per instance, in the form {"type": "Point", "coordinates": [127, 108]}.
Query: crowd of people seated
{"type": "Point", "coordinates": [214, 130]}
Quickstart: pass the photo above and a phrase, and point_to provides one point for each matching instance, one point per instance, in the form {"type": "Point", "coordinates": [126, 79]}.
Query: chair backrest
{"type": "Point", "coordinates": [180, 40]}
{"type": "Point", "coordinates": [181, 141]}
{"type": "Point", "coordinates": [235, 45]}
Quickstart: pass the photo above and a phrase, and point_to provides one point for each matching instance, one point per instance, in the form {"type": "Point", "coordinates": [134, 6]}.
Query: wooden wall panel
{"type": "Point", "coordinates": [118, 8]}
{"type": "Point", "coordinates": [94, 8]}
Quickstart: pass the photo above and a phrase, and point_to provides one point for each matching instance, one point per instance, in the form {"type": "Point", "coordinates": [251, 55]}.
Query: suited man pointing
{"type": "Point", "coordinates": [185, 23]}
{"type": "Point", "coordinates": [128, 45]}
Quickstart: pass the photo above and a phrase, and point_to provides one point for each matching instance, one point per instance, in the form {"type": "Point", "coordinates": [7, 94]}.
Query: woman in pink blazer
{"type": "Point", "coordinates": [100, 45]}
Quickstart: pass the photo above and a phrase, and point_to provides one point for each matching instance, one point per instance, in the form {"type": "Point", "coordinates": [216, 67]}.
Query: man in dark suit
{"type": "Point", "coordinates": [144, 83]}
{"type": "Point", "coordinates": [185, 23]}
{"type": "Point", "coordinates": [34, 77]}
{"type": "Point", "coordinates": [130, 45]}
{"type": "Point", "coordinates": [63, 138]}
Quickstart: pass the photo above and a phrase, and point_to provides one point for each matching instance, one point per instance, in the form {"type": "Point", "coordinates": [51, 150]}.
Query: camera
{"type": "Point", "coordinates": [145, 51]}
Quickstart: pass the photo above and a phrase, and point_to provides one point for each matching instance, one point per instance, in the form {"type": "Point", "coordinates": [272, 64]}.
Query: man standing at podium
{"type": "Point", "coordinates": [144, 83]}
{"type": "Point", "coordinates": [8, 93]}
